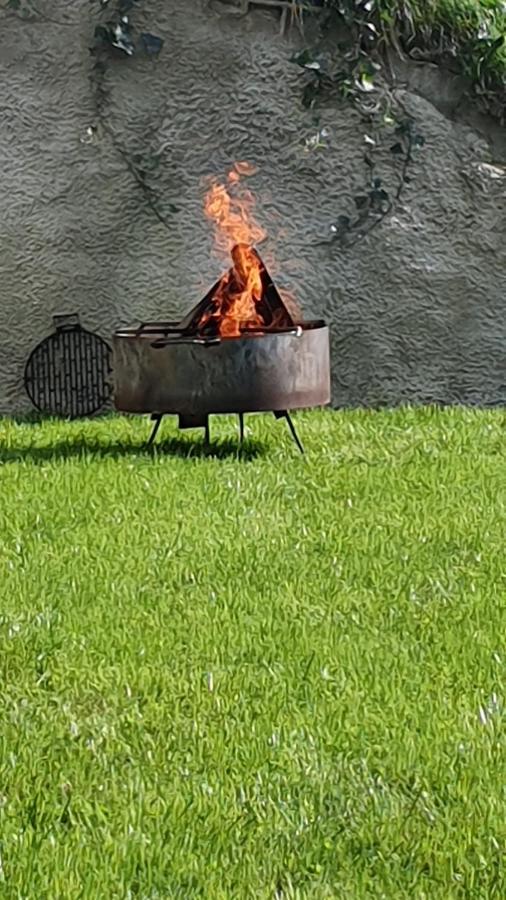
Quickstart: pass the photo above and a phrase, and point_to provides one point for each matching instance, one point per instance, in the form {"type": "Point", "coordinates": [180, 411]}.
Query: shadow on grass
{"type": "Point", "coordinates": [39, 418]}
{"type": "Point", "coordinates": [175, 447]}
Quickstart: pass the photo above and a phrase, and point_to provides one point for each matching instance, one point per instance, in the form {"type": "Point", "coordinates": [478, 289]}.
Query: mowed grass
{"type": "Point", "coordinates": [257, 675]}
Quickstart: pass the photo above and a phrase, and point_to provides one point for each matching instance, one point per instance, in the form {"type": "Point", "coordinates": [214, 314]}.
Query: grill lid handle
{"type": "Point", "coordinates": [66, 322]}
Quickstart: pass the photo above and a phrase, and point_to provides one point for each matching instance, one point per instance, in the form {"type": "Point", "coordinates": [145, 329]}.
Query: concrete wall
{"type": "Point", "coordinates": [417, 309]}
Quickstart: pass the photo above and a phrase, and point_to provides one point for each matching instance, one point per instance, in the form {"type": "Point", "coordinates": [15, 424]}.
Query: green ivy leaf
{"type": "Point", "coordinates": [103, 34]}
{"type": "Point", "coordinates": [365, 83]}
{"type": "Point", "coordinates": [302, 58]}
{"type": "Point", "coordinates": [404, 128]}
{"type": "Point", "coordinates": [379, 201]}
{"type": "Point", "coordinates": [310, 93]}
{"type": "Point", "coordinates": [151, 44]}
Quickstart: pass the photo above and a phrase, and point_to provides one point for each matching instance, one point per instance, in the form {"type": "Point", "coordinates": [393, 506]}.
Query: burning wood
{"type": "Point", "coordinates": [245, 299]}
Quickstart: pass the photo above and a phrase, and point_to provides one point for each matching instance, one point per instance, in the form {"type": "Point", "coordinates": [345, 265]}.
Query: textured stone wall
{"type": "Point", "coordinates": [417, 309]}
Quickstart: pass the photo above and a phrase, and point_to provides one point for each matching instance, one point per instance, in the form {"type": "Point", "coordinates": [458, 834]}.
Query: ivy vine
{"type": "Point", "coordinates": [355, 76]}
{"type": "Point", "coordinates": [116, 35]}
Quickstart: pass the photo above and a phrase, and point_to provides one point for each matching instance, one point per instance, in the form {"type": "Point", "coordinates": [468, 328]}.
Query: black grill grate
{"type": "Point", "coordinates": [68, 373]}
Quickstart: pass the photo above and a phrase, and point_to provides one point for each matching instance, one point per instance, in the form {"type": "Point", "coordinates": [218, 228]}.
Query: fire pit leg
{"type": "Point", "coordinates": [241, 428]}
{"type": "Point", "coordinates": [157, 419]}
{"type": "Point", "coordinates": [207, 433]}
{"type": "Point", "coordinates": [284, 414]}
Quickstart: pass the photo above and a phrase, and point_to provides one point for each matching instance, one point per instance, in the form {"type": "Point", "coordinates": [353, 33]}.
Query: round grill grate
{"type": "Point", "coordinates": [68, 373]}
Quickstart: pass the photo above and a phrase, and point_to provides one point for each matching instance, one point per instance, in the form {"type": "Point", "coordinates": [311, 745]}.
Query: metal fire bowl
{"type": "Point", "coordinates": [171, 373]}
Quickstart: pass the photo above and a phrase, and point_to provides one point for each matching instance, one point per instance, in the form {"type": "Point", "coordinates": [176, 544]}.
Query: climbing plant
{"type": "Point", "coordinates": [469, 35]}
{"type": "Point", "coordinates": [118, 32]}
{"type": "Point", "coordinates": [115, 34]}
{"type": "Point", "coordinates": [354, 74]}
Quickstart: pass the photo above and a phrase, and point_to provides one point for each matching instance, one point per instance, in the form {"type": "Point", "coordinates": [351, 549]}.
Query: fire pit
{"type": "Point", "coordinates": [244, 348]}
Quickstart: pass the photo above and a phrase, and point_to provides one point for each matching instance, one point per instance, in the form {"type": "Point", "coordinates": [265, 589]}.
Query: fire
{"type": "Point", "coordinates": [230, 207]}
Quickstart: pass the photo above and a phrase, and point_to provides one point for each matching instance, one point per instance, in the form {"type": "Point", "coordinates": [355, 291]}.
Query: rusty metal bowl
{"type": "Point", "coordinates": [160, 370]}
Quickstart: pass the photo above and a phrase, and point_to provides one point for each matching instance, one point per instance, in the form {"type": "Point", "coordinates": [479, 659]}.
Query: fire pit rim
{"type": "Point", "coordinates": [171, 330]}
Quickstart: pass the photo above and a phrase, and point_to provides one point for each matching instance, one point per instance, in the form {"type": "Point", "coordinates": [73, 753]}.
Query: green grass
{"type": "Point", "coordinates": [472, 31]}
{"type": "Point", "coordinates": [255, 676]}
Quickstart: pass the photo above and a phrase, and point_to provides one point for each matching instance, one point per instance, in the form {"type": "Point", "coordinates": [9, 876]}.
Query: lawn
{"type": "Point", "coordinates": [258, 675]}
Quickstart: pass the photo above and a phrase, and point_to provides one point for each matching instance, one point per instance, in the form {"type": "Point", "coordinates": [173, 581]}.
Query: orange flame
{"type": "Point", "coordinates": [239, 292]}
